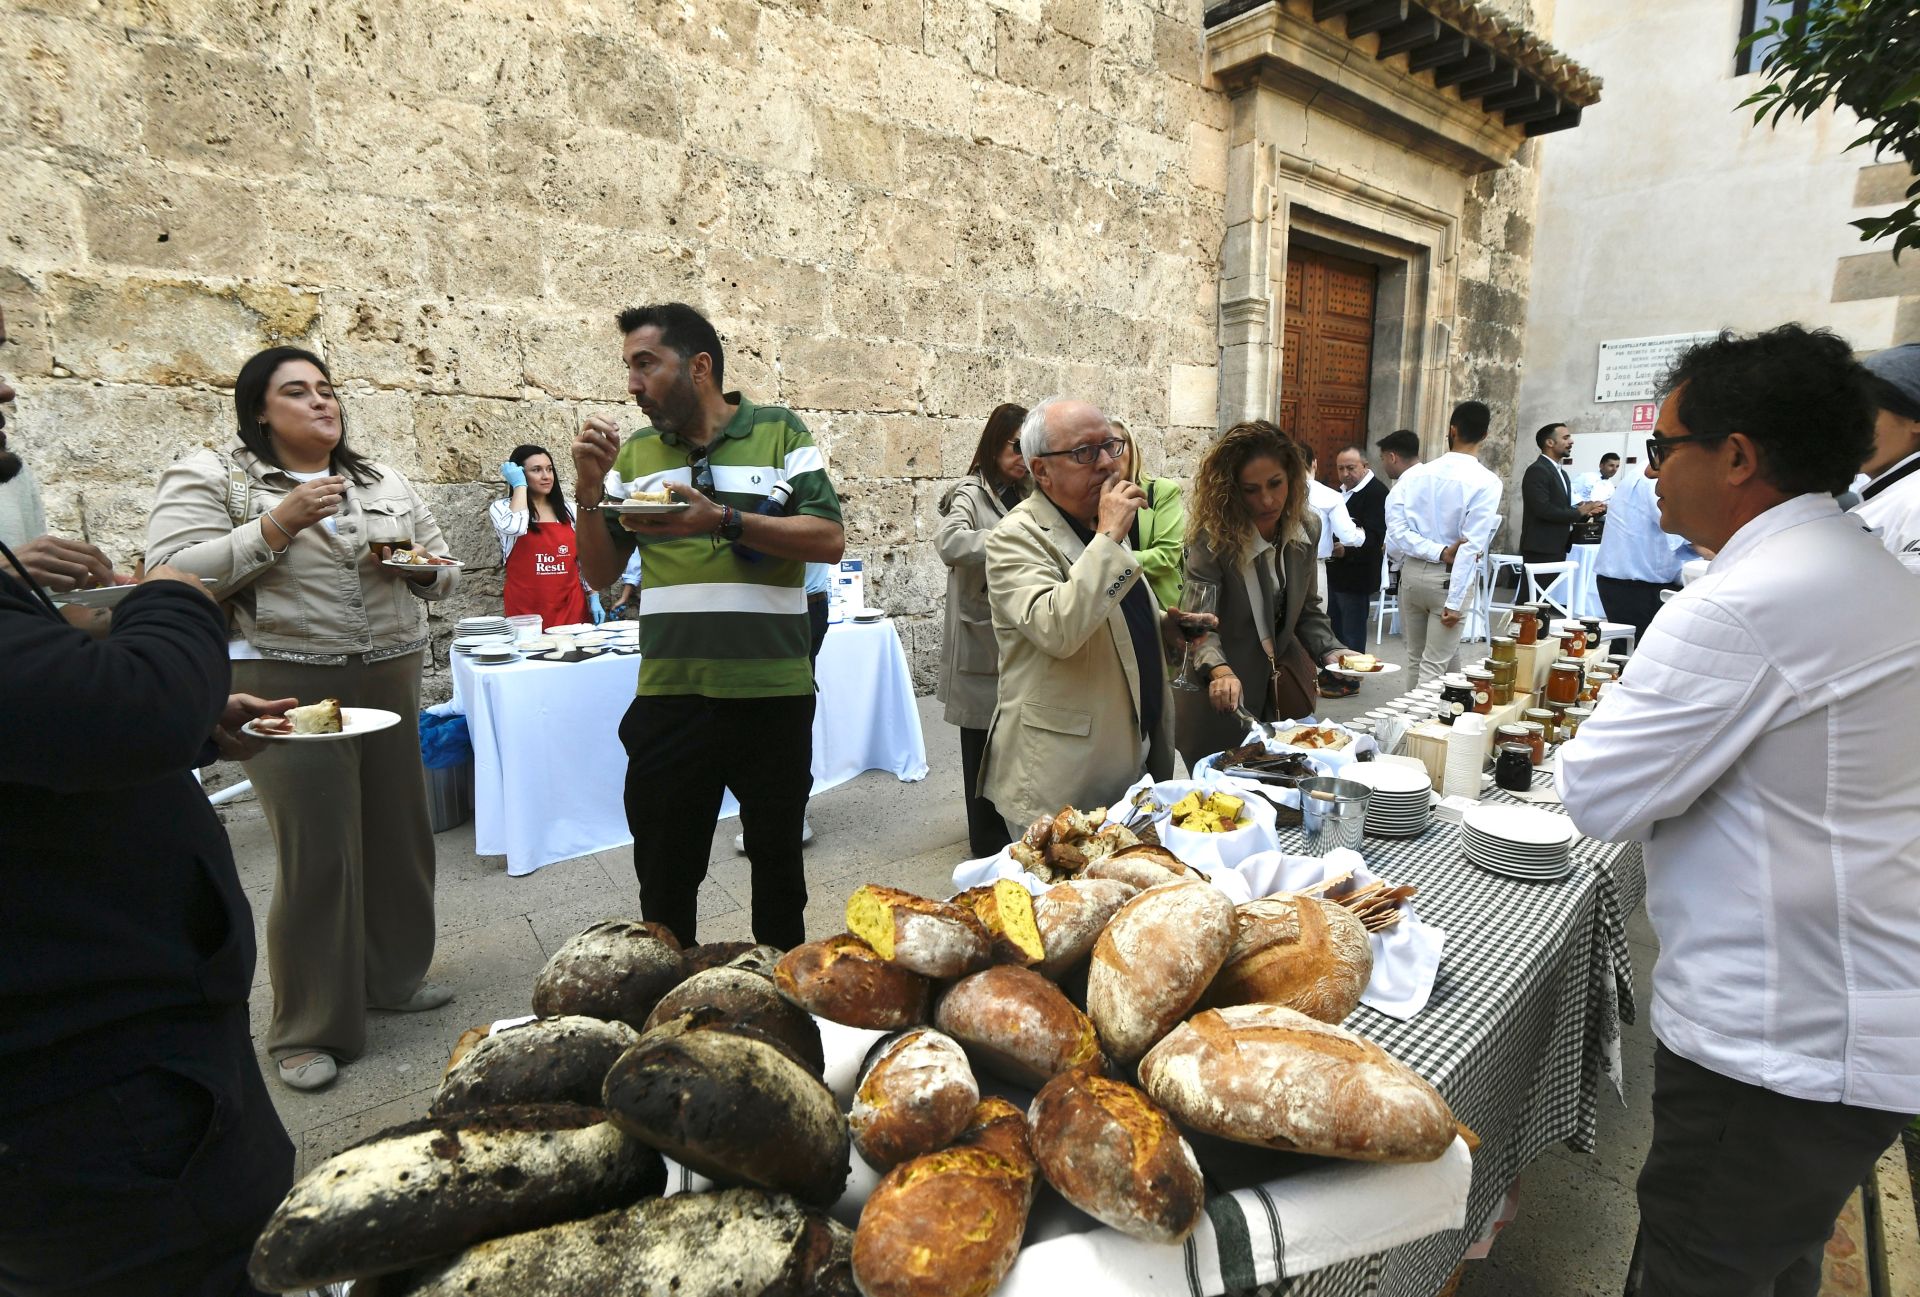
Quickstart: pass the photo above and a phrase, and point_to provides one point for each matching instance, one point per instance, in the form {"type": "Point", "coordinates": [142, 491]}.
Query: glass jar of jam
{"type": "Point", "coordinates": [1513, 767]}
{"type": "Point", "coordinates": [1537, 739]}
{"type": "Point", "coordinates": [1480, 680]}
{"type": "Point", "coordinates": [1571, 720]}
{"type": "Point", "coordinates": [1505, 649]}
{"type": "Point", "coordinates": [1563, 682]}
{"type": "Point", "coordinates": [1618, 662]}
{"type": "Point", "coordinates": [1599, 676]}
{"type": "Point", "coordinates": [1573, 640]}
{"type": "Point", "coordinates": [1526, 624]}
{"type": "Point", "coordinates": [1456, 698]}
{"type": "Point", "coordinates": [1592, 625]}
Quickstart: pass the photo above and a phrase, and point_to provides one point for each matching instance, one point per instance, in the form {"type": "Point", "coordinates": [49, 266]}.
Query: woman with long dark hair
{"type": "Point", "coordinates": [290, 529]}
{"type": "Point", "coordinates": [1252, 538]}
{"type": "Point", "coordinates": [969, 659]}
{"type": "Point", "coordinates": [535, 528]}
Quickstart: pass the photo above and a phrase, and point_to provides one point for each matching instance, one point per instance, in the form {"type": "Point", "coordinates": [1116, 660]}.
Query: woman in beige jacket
{"type": "Point", "coordinates": [288, 529]}
{"type": "Point", "coordinates": [969, 659]}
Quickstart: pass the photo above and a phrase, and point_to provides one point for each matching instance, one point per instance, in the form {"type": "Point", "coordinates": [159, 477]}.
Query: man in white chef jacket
{"type": "Point", "coordinates": [1890, 497]}
{"type": "Point", "coordinates": [1760, 746]}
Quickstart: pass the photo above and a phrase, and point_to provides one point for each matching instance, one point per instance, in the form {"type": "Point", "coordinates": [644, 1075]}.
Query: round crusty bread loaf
{"type": "Point", "coordinates": [1142, 866]}
{"type": "Point", "coordinates": [932, 938]}
{"type": "Point", "coordinates": [916, 1094]}
{"type": "Point", "coordinates": [1154, 961]}
{"type": "Point", "coordinates": [615, 970]}
{"type": "Point", "coordinates": [729, 1243]}
{"type": "Point", "coordinates": [430, 1188]}
{"type": "Point", "coordinates": [549, 1060]}
{"type": "Point", "coordinates": [1114, 1155]}
{"type": "Point", "coordinates": [1071, 915]}
{"type": "Point", "coordinates": [736, 1106]}
{"type": "Point", "coordinates": [1298, 951]}
{"type": "Point", "coordinates": [713, 954]}
{"type": "Point", "coordinates": [1017, 1025]}
{"type": "Point", "coordinates": [1267, 1075]}
{"type": "Point", "coordinates": [736, 995]}
{"type": "Point", "coordinates": [842, 980]}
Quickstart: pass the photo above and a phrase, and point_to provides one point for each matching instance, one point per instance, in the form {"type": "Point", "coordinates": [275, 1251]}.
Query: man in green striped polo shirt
{"type": "Point", "coordinates": [726, 693]}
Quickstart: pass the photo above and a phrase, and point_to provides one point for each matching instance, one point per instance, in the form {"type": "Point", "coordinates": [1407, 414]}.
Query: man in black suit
{"type": "Point", "coordinates": [1353, 574]}
{"type": "Point", "coordinates": [1548, 511]}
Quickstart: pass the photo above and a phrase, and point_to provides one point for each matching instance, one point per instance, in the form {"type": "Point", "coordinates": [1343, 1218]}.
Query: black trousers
{"type": "Point", "coordinates": [1631, 602]}
{"type": "Point", "coordinates": [683, 752]}
{"type": "Point", "coordinates": [1347, 610]}
{"type": "Point", "coordinates": [156, 1184]}
{"type": "Point", "coordinates": [986, 831]}
{"type": "Point", "coordinates": [1742, 1185]}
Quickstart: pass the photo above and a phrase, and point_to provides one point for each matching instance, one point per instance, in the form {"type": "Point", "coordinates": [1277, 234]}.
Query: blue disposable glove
{"type": "Point", "coordinates": [513, 473]}
{"type": "Point", "coordinates": [598, 609]}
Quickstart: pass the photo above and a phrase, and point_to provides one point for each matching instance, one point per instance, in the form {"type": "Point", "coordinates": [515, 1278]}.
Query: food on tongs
{"type": "Point", "coordinates": [1255, 762]}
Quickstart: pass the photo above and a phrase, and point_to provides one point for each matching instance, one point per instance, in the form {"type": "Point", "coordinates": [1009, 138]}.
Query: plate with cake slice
{"type": "Point", "coordinates": [323, 720]}
{"type": "Point", "coordinates": [1363, 664]}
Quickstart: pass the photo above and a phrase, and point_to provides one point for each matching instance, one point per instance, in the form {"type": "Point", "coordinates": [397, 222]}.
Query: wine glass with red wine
{"type": "Point", "coordinates": [1199, 602]}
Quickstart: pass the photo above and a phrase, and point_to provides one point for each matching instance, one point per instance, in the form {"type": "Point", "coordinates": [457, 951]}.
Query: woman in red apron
{"type": "Point", "coordinates": [536, 537]}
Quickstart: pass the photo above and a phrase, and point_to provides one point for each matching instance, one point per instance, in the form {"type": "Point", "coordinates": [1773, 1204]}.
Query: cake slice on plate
{"type": "Point", "coordinates": [322, 717]}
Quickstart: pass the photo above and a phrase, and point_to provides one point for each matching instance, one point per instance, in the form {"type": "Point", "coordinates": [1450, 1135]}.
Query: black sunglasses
{"type": "Point", "coordinates": [1113, 447]}
{"type": "Point", "coordinates": [1658, 447]}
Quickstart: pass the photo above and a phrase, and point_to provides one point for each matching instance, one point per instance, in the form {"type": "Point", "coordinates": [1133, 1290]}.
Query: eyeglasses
{"type": "Point", "coordinates": [1659, 447]}
{"type": "Point", "coordinates": [1112, 447]}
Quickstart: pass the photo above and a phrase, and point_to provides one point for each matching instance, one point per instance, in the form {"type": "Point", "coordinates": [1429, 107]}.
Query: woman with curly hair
{"type": "Point", "coordinates": [1251, 536]}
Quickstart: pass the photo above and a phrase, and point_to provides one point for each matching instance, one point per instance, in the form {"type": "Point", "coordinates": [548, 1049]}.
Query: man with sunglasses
{"type": "Point", "coordinates": [1759, 745]}
{"type": "Point", "coordinates": [1084, 703]}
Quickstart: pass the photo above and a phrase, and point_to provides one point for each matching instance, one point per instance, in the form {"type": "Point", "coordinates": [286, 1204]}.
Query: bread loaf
{"type": "Point", "coordinates": [1298, 951]}
{"type": "Point", "coordinates": [1143, 866]}
{"type": "Point", "coordinates": [429, 1188]}
{"type": "Point", "coordinates": [1154, 961]}
{"type": "Point", "coordinates": [1267, 1075]}
{"type": "Point", "coordinates": [549, 1060]}
{"type": "Point", "coordinates": [949, 1224]}
{"type": "Point", "coordinates": [714, 954]}
{"type": "Point", "coordinates": [736, 1106]}
{"type": "Point", "coordinates": [843, 980]}
{"type": "Point", "coordinates": [730, 1243]}
{"type": "Point", "coordinates": [1070, 917]}
{"type": "Point", "coordinates": [1005, 910]}
{"type": "Point", "coordinates": [464, 1046]}
{"type": "Point", "coordinates": [1114, 1155]}
{"type": "Point", "coordinates": [736, 995]}
{"type": "Point", "coordinates": [916, 1094]}
{"type": "Point", "coordinates": [932, 938]}
{"type": "Point", "coordinates": [615, 970]}
{"type": "Point", "coordinates": [1017, 1025]}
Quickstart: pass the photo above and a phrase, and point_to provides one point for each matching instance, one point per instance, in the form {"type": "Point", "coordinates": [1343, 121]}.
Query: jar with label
{"type": "Point", "coordinates": [1563, 682]}
{"type": "Point", "coordinates": [1511, 733]}
{"type": "Point", "coordinates": [1456, 698]}
{"type": "Point", "coordinates": [1526, 624]}
{"type": "Point", "coordinates": [1592, 625]}
{"type": "Point", "coordinates": [1513, 767]}
{"type": "Point", "coordinates": [1504, 649]}
{"type": "Point", "coordinates": [1571, 720]}
{"type": "Point", "coordinates": [1599, 676]}
{"type": "Point", "coordinates": [1537, 739]}
{"type": "Point", "coordinates": [1480, 680]}
{"type": "Point", "coordinates": [1573, 640]}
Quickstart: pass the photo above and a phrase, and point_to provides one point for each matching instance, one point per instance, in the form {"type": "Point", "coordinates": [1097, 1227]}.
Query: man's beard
{"type": "Point", "coordinates": [681, 408]}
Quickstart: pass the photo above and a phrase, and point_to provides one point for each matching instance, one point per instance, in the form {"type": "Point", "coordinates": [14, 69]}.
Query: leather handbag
{"type": "Point", "coordinates": [1294, 684]}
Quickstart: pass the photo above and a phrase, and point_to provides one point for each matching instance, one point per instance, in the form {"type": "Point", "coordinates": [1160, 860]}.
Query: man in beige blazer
{"type": "Point", "coordinates": [1084, 703]}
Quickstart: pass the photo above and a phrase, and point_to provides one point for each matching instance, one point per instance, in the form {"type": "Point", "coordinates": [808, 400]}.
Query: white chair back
{"type": "Point", "coordinates": [1558, 592]}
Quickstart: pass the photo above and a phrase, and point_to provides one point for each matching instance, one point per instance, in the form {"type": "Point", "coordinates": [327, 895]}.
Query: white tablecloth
{"type": "Point", "coordinates": [548, 768]}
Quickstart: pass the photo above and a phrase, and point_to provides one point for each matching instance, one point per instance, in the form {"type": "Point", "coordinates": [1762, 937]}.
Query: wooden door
{"type": "Point", "coordinates": [1326, 358]}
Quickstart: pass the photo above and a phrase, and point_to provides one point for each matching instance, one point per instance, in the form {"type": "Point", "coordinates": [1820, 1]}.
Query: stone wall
{"type": "Point", "coordinates": [899, 212]}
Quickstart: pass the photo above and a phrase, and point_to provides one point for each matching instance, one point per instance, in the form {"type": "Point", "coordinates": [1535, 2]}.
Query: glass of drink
{"type": "Point", "coordinates": [384, 532]}
{"type": "Point", "coordinates": [1200, 600]}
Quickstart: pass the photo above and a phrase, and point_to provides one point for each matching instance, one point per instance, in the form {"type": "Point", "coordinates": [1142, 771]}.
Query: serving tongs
{"type": "Point", "coordinates": [1264, 728]}
{"type": "Point", "coordinates": [1146, 809]}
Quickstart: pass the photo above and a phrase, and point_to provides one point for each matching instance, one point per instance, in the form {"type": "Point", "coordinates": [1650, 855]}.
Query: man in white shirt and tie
{"type": "Point", "coordinates": [1441, 518]}
{"type": "Point", "coordinates": [1759, 745]}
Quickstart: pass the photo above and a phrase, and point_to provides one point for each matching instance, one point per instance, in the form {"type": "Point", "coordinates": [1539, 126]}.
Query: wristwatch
{"type": "Point", "coordinates": [731, 524]}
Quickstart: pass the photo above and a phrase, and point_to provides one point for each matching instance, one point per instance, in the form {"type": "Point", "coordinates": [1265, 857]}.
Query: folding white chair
{"type": "Point", "coordinates": [1556, 593]}
{"type": "Point", "coordinates": [1386, 605]}
{"type": "Point", "coordinates": [1492, 568]}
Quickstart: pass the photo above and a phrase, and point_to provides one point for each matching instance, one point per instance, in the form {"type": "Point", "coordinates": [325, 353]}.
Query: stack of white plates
{"type": "Point", "coordinates": [1402, 801]}
{"type": "Point", "coordinates": [484, 626]}
{"type": "Point", "coordinates": [497, 652]}
{"type": "Point", "coordinates": [467, 645]}
{"type": "Point", "coordinates": [1518, 841]}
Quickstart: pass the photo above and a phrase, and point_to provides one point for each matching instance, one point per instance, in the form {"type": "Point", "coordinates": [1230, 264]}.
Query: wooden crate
{"type": "Point", "coordinates": [1427, 741]}
{"type": "Point", "coordinates": [1535, 660]}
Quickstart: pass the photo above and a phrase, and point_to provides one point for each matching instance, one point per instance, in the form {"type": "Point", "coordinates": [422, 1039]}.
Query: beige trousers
{"type": "Point", "coordinates": [351, 923]}
{"type": "Point", "coordinates": [1430, 644]}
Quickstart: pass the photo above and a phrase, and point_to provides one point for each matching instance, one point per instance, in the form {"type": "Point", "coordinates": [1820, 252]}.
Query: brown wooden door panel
{"type": "Point", "coordinates": [1327, 353]}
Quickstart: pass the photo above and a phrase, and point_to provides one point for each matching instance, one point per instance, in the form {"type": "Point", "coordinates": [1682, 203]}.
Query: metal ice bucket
{"type": "Point", "coordinates": [1333, 812]}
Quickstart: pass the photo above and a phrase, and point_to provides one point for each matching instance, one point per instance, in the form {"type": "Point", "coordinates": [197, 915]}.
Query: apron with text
{"type": "Point", "coordinates": [543, 576]}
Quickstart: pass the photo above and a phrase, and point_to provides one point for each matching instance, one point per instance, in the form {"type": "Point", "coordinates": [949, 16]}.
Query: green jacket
{"type": "Point", "coordinates": [1163, 529]}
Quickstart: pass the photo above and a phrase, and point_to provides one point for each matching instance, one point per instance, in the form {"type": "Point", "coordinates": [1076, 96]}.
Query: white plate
{"type": "Point", "coordinates": [644, 507]}
{"type": "Point", "coordinates": [1390, 780]}
{"type": "Point", "coordinates": [449, 565]}
{"type": "Point", "coordinates": [1520, 825]}
{"type": "Point", "coordinates": [868, 615]}
{"type": "Point", "coordinates": [354, 721]}
{"type": "Point", "coordinates": [1379, 669]}
{"type": "Point", "coordinates": [572, 628]}
{"type": "Point", "coordinates": [103, 596]}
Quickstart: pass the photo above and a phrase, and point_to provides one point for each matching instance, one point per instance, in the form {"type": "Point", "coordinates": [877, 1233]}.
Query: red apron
{"type": "Point", "coordinates": [543, 576]}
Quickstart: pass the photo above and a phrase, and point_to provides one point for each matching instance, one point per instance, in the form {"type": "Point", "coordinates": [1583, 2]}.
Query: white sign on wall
{"type": "Point", "coordinates": [1630, 368]}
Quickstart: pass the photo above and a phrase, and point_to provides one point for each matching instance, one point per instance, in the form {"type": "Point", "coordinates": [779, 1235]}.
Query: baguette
{"type": "Point", "coordinates": [1017, 1025]}
{"type": "Point", "coordinates": [1299, 951]}
{"type": "Point", "coordinates": [1005, 910]}
{"type": "Point", "coordinates": [615, 970]}
{"type": "Point", "coordinates": [550, 1060]}
{"type": "Point", "coordinates": [738, 996]}
{"type": "Point", "coordinates": [843, 980]}
{"type": "Point", "coordinates": [429, 1188]}
{"type": "Point", "coordinates": [916, 1095]}
{"type": "Point", "coordinates": [1142, 866]}
{"type": "Point", "coordinates": [730, 1243]}
{"type": "Point", "coordinates": [1266, 1075]}
{"type": "Point", "coordinates": [932, 938]}
{"type": "Point", "coordinates": [1114, 1155]}
{"type": "Point", "coordinates": [736, 1106]}
{"type": "Point", "coordinates": [1070, 917]}
{"type": "Point", "coordinates": [949, 1224]}
{"type": "Point", "coordinates": [1154, 961]}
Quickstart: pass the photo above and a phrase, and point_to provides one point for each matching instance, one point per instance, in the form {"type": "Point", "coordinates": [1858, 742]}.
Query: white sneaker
{"type": "Point", "coordinates": [806, 837]}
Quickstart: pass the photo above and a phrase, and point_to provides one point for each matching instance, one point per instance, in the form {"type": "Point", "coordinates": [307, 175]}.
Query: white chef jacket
{"type": "Point", "coordinates": [1437, 502]}
{"type": "Point", "coordinates": [1593, 487]}
{"type": "Point", "coordinates": [1760, 745]}
{"type": "Point", "coordinates": [1335, 522]}
{"type": "Point", "coordinates": [1890, 505]}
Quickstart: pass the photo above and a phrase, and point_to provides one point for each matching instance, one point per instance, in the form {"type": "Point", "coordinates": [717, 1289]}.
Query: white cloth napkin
{"type": "Point", "coordinates": [1207, 852]}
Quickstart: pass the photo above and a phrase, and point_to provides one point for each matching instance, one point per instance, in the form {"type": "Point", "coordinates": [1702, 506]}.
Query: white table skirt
{"type": "Point", "coordinates": [1586, 590]}
{"type": "Point", "coordinates": [549, 771]}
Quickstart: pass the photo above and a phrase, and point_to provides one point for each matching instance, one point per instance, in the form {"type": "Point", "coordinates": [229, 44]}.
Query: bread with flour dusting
{"type": "Point", "coordinates": [1072, 915]}
{"type": "Point", "coordinates": [1017, 1025]}
{"type": "Point", "coordinates": [549, 1060]}
{"type": "Point", "coordinates": [1306, 953]}
{"type": "Point", "coordinates": [916, 1094]}
{"type": "Point", "coordinates": [932, 938]}
{"type": "Point", "coordinates": [1114, 1155]}
{"type": "Point", "coordinates": [1154, 961]}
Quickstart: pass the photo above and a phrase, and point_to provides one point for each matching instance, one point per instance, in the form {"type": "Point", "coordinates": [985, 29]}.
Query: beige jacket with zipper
{"type": "Point", "coordinates": [326, 596]}
{"type": "Point", "coordinates": [969, 659]}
